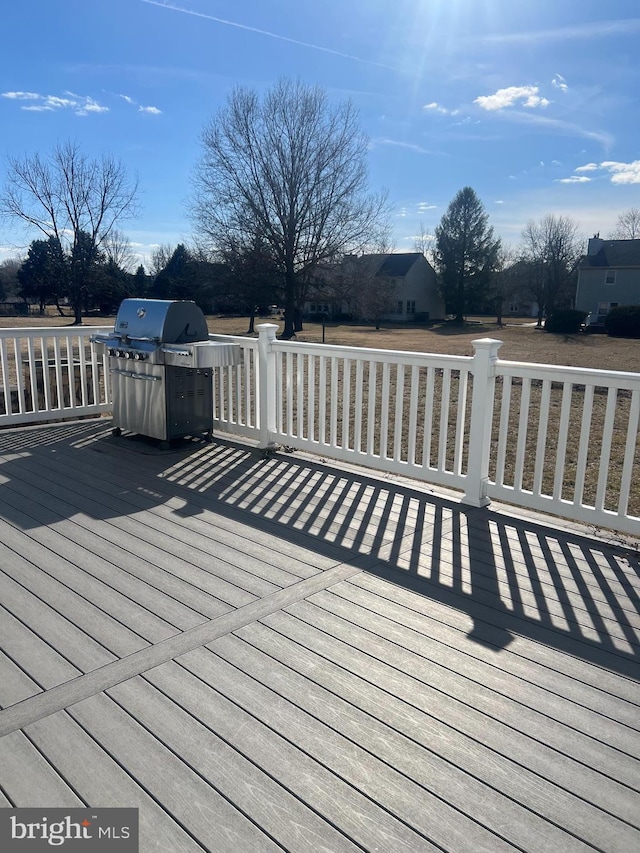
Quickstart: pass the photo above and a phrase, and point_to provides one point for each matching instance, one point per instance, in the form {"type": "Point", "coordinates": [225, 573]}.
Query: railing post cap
{"type": "Point", "coordinates": [487, 344]}
{"type": "Point", "coordinates": [268, 329]}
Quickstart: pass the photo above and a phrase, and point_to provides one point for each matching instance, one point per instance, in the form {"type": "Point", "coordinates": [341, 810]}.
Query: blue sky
{"type": "Point", "coordinates": [533, 104]}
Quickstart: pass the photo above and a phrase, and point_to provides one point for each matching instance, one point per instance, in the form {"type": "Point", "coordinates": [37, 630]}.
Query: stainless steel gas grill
{"type": "Point", "coordinates": [161, 364]}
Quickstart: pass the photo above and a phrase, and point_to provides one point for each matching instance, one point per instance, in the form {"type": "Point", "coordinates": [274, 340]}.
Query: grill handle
{"type": "Point", "coordinates": [129, 373]}
{"type": "Point", "coordinates": [184, 352]}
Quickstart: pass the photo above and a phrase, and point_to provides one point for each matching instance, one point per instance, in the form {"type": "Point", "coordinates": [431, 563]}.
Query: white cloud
{"type": "Point", "coordinates": [21, 96]}
{"type": "Point", "coordinates": [623, 173]}
{"type": "Point", "coordinates": [560, 83]}
{"type": "Point", "coordinates": [435, 107]}
{"type": "Point", "coordinates": [80, 104]}
{"type": "Point", "coordinates": [423, 206]}
{"type": "Point", "coordinates": [498, 201]}
{"type": "Point", "coordinates": [527, 96]}
{"type": "Point", "coordinates": [150, 110]}
{"type": "Point", "coordinates": [588, 167]}
{"type": "Point", "coordinates": [127, 99]}
{"type": "Point", "coordinates": [383, 140]}
{"type": "Point", "coordinates": [573, 179]}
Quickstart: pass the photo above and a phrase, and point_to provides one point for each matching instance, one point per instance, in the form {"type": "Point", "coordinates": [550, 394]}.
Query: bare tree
{"type": "Point", "coordinates": [291, 170]}
{"type": "Point", "coordinates": [117, 247]}
{"type": "Point", "coordinates": [160, 257]}
{"type": "Point", "coordinates": [627, 226]}
{"type": "Point", "coordinates": [74, 199]}
{"type": "Point", "coordinates": [506, 278]}
{"type": "Point", "coordinates": [551, 250]}
{"type": "Point", "coordinates": [425, 243]}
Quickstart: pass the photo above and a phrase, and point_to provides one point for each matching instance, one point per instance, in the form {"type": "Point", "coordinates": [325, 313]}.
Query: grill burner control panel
{"type": "Point", "coordinates": [123, 353]}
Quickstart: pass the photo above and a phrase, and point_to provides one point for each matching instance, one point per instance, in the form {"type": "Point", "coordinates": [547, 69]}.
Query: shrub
{"type": "Point", "coordinates": [565, 321]}
{"type": "Point", "coordinates": [623, 321]}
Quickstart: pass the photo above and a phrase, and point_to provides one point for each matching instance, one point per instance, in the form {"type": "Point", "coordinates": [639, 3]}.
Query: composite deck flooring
{"type": "Point", "coordinates": [274, 653]}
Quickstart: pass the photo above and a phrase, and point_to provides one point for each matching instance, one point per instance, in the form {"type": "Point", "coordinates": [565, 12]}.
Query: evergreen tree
{"type": "Point", "coordinates": [465, 253]}
{"type": "Point", "coordinates": [41, 275]}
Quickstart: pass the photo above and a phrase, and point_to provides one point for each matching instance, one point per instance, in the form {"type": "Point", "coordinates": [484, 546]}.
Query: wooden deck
{"type": "Point", "coordinates": [274, 653]}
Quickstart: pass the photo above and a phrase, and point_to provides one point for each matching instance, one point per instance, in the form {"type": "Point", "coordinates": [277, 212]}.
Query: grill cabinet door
{"type": "Point", "coordinates": [189, 393]}
{"type": "Point", "coordinates": [138, 392]}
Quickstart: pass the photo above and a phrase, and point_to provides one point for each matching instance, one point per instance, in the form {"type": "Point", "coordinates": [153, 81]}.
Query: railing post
{"type": "Point", "coordinates": [266, 382]}
{"type": "Point", "coordinates": [484, 380]}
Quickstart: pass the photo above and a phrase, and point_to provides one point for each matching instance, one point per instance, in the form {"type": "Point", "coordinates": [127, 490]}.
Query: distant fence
{"type": "Point", "coordinates": [562, 440]}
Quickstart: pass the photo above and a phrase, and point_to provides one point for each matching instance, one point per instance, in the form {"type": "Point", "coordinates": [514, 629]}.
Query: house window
{"type": "Point", "coordinates": [319, 308]}
{"type": "Point", "coordinates": [514, 308]}
{"type": "Point", "coordinates": [399, 307]}
{"type": "Point", "coordinates": [604, 308]}
{"type": "Point", "coordinates": [610, 277]}
{"type": "Point", "coordinates": [411, 306]}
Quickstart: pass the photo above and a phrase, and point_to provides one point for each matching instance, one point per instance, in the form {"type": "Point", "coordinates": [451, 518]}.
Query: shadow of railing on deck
{"type": "Point", "coordinates": [510, 575]}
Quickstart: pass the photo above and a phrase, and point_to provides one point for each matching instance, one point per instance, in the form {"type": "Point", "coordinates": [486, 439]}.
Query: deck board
{"type": "Point", "coordinates": [432, 726]}
{"type": "Point", "coordinates": [270, 653]}
{"type": "Point", "coordinates": [514, 737]}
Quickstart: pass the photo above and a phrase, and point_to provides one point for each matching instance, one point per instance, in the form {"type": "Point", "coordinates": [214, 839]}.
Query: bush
{"type": "Point", "coordinates": [565, 321]}
{"type": "Point", "coordinates": [623, 321]}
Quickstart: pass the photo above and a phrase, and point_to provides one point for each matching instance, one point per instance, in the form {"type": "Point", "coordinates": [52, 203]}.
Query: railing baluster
{"type": "Point", "coordinates": [397, 422]}
{"type": "Point", "coordinates": [463, 378]}
{"type": "Point", "coordinates": [563, 434]}
{"type": "Point", "coordinates": [444, 419]}
{"type": "Point", "coordinates": [322, 409]}
{"type": "Point", "coordinates": [384, 412]}
{"type": "Point", "coordinates": [541, 444]}
{"type": "Point", "coordinates": [583, 445]}
{"type": "Point", "coordinates": [346, 402]}
{"type": "Point", "coordinates": [357, 437]}
{"type": "Point", "coordinates": [629, 453]}
{"type": "Point", "coordinates": [523, 424]}
{"type": "Point", "coordinates": [428, 419]}
{"type": "Point", "coordinates": [605, 448]}
{"type": "Point", "coordinates": [413, 414]}
{"type": "Point", "coordinates": [503, 433]}
{"type": "Point", "coordinates": [371, 411]}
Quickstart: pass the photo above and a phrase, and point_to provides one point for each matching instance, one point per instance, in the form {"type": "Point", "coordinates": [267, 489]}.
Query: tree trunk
{"type": "Point", "coordinates": [289, 330]}
{"type": "Point", "coordinates": [252, 319]}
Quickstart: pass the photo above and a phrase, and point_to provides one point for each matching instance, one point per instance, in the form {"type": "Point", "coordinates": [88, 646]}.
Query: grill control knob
{"type": "Point", "coordinates": [112, 351]}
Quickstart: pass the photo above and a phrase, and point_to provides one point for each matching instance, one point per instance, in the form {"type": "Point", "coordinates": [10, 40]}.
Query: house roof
{"type": "Point", "coordinates": [614, 253]}
{"type": "Point", "coordinates": [397, 264]}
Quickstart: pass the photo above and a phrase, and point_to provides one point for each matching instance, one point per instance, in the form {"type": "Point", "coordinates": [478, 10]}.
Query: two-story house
{"type": "Point", "coordinates": [405, 282]}
{"type": "Point", "coordinates": [608, 276]}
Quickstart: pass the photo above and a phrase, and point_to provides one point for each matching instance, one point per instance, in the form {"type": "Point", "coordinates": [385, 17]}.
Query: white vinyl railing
{"type": "Point", "coordinates": [562, 440]}
{"type": "Point", "coordinates": [48, 374]}
{"type": "Point", "coordinates": [557, 439]}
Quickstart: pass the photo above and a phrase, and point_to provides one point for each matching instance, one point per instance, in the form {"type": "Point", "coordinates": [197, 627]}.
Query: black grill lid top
{"type": "Point", "coordinates": [163, 320]}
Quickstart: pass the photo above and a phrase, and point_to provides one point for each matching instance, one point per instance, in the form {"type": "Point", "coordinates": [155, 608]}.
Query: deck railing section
{"type": "Point", "coordinates": [562, 440]}
{"type": "Point", "coordinates": [566, 441]}
{"type": "Point", "coordinates": [236, 404]}
{"type": "Point", "coordinates": [52, 373]}
{"type": "Point", "coordinates": [401, 412]}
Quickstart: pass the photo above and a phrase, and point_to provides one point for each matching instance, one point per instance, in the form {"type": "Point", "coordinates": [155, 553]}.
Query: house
{"type": "Point", "coordinates": [608, 276]}
{"type": "Point", "coordinates": [399, 287]}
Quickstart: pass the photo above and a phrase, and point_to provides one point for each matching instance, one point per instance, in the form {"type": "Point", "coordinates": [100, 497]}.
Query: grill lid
{"type": "Point", "coordinates": [161, 321]}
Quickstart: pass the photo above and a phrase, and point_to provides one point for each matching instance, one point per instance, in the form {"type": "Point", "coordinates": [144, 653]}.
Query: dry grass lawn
{"type": "Point", "coordinates": [521, 340]}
